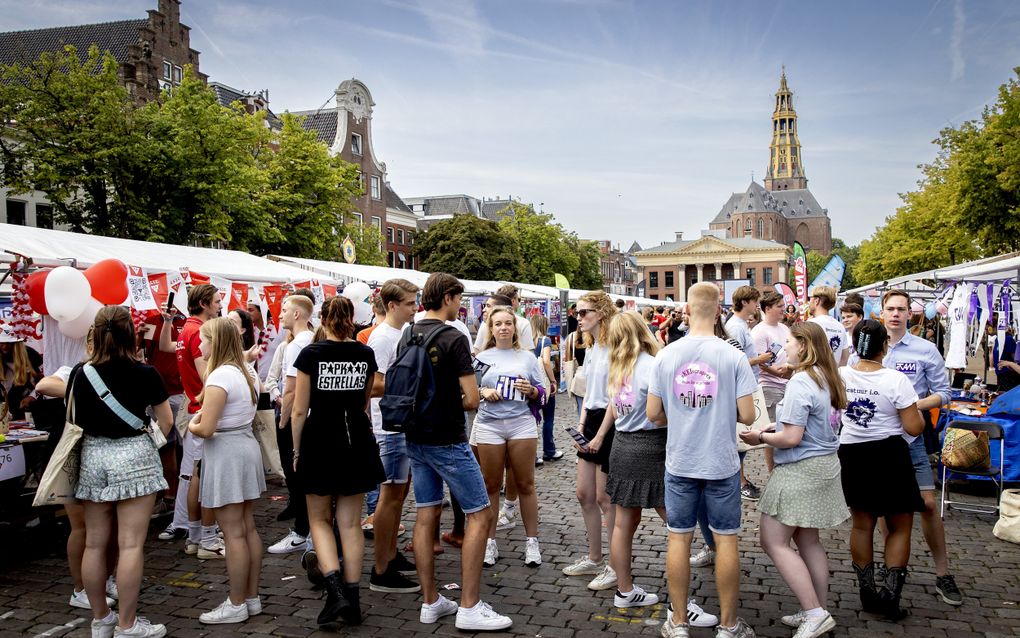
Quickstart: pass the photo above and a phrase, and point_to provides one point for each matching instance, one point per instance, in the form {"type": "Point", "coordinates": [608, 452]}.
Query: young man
{"type": "Point", "coordinates": [203, 304]}
{"type": "Point", "coordinates": [850, 315]}
{"type": "Point", "coordinates": [439, 453]}
{"type": "Point", "coordinates": [745, 302]}
{"type": "Point", "coordinates": [399, 298]}
{"type": "Point", "coordinates": [700, 388]}
{"type": "Point", "coordinates": [822, 300]}
{"type": "Point", "coordinates": [161, 353]}
{"type": "Point", "coordinates": [920, 361]}
{"type": "Point", "coordinates": [523, 325]}
{"type": "Point", "coordinates": [770, 338]}
{"type": "Point", "coordinates": [294, 317]}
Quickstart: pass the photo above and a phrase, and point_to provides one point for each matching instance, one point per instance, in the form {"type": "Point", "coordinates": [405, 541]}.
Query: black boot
{"type": "Point", "coordinates": [866, 584]}
{"type": "Point", "coordinates": [890, 591]}
{"type": "Point", "coordinates": [352, 613]}
{"type": "Point", "coordinates": [336, 603]}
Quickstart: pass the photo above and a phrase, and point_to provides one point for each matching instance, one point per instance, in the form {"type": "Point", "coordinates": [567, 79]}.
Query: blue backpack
{"type": "Point", "coordinates": [410, 385]}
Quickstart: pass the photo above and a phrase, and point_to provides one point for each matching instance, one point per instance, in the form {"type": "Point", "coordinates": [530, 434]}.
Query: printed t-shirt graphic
{"type": "Point", "coordinates": [696, 385]}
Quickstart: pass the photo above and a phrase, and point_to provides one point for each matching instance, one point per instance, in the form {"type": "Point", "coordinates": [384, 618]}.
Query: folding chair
{"type": "Point", "coordinates": [994, 431]}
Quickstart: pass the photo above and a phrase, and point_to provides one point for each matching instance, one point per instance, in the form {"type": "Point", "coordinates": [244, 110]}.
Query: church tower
{"type": "Point", "coordinates": [785, 169]}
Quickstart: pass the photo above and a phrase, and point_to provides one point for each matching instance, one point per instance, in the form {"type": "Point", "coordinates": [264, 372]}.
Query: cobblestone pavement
{"type": "Point", "coordinates": [543, 602]}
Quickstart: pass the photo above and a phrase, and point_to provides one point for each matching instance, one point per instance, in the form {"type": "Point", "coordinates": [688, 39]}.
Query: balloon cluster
{"type": "Point", "coordinates": [357, 292]}
{"type": "Point", "coordinates": [73, 297]}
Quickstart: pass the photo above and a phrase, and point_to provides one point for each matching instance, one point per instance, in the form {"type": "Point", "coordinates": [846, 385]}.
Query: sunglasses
{"type": "Point", "coordinates": [583, 311]}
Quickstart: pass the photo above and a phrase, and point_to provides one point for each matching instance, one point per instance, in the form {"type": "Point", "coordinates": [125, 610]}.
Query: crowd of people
{"type": "Point", "coordinates": [349, 414]}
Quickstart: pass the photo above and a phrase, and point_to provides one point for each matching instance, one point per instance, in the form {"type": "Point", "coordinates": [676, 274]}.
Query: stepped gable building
{"type": "Point", "coordinates": [151, 53]}
{"type": "Point", "coordinates": [783, 209]}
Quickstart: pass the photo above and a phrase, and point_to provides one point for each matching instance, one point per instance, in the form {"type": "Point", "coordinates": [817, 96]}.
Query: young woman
{"type": "Point", "coordinates": [594, 311]}
{"type": "Point", "coordinates": [543, 351]}
{"type": "Point", "coordinates": [20, 368]}
{"type": "Point", "coordinates": [804, 493]}
{"type": "Point", "coordinates": [232, 477]}
{"type": "Point", "coordinates": [504, 427]}
{"type": "Point", "coordinates": [120, 472]}
{"type": "Point", "coordinates": [878, 476]}
{"type": "Point", "coordinates": [331, 430]}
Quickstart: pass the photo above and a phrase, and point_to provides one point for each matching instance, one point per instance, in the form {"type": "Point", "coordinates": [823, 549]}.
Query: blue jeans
{"type": "Point", "coordinates": [548, 419]}
{"type": "Point", "coordinates": [432, 465]}
{"type": "Point", "coordinates": [721, 499]}
{"type": "Point", "coordinates": [371, 500]}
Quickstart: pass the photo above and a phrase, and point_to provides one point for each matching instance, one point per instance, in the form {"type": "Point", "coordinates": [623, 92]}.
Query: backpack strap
{"type": "Point", "coordinates": [425, 339]}
{"type": "Point", "coordinates": [111, 401]}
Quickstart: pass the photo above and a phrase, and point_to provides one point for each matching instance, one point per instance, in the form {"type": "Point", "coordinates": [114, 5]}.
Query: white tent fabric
{"type": "Point", "coordinates": [341, 271]}
{"type": "Point", "coordinates": [988, 269]}
{"type": "Point", "coordinates": [50, 247]}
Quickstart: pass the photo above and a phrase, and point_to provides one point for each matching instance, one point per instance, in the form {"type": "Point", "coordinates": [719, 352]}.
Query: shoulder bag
{"type": "Point", "coordinates": [155, 434]}
{"type": "Point", "coordinates": [60, 479]}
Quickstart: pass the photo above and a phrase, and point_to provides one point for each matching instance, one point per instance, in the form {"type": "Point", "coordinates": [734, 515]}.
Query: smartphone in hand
{"type": "Point", "coordinates": [577, 436]}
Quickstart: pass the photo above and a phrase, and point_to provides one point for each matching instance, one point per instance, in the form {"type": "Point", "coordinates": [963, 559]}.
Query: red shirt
{"type": "Point", "coordinates": [165, 362]}
{"type": "Point", "coordinates": [187, 352]}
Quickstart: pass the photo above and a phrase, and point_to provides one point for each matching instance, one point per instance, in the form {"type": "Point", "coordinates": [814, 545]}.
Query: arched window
{"type": "Point", "coordinates": [761, 229]}
{"type": "Point", "coordinates": [747, 225]}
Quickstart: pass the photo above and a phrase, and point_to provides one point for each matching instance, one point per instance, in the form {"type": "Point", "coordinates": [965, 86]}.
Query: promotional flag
{"type": "Point", "coordinates": [238, 296]}
{"type": "Point", "coordinates": [328, 291]}
{"type": "Point", "coordinates": [800, 273]}
{"type": "Point", "coordinates": [789, 299]}
{"type": "Point", "coordinates": [175, 282]}
{"type": "Point", "coordinates": [274, 301]}
{"type": "Point", "coordinates": [139, 291]}
{"type": "Point", "coordinates": [160, 286]}
{"type": "Point", "coordinates": [561, 281]}
{"type": "Point", "coordinates": [832, 274]}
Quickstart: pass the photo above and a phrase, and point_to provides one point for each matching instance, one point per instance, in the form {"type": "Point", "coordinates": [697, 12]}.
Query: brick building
{"type": "Point", "coordinates": [619, 274]}
{"type": "Point", "coordinates": [401, 227]}
{"type": "Point", "coordinates": [783, 209]}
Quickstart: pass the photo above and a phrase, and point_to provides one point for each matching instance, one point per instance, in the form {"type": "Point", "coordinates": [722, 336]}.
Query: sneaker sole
{"type": "Point", "coordinates": [431, 621]}
{"type": "Point", "coordinates": [628, 605]}
{"type": "Point", "coordinates": [189, 551]}
{"type": "Point", "coordinates": [603, 587]}
{"type": "Point", "coordinates": [500, 627]}
{"type": "Point", "coordinates": [948, 601]}
{"type": "Point", "coordinates": [224, 621]}
{"type": "Point", "coordinates": [826, 627]}
{"type": "Point", "coordinates": [210, 555]}
{"type": "Point", "coordinates": [584, 573]}
{"type": "Point", "coordinates": [289, 550]}
{"type": "Point", "coordinates": [395, 590]}
{"type": "Point", "coordinates": [532, 563]}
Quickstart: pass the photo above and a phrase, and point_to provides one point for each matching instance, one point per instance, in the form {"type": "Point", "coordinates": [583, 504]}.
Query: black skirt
{"type": "Point", "coordinates": [878, 477]}
{"type": "Point", "coordinates": [591, 427]}
{"type": "Point", "coordinates": [339, 457]}
{"type": "Point", "coordinates": [638, 469]}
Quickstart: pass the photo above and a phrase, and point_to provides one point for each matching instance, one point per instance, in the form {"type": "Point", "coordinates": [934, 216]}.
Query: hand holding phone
{"type": "Point", "coordinates": [579, 438]}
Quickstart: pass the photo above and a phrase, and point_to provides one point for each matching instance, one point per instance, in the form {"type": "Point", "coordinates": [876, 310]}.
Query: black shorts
{"type": "Point", "coordinates": [878, 477]}
{"type": "Point", "coordinates": [592, 423]}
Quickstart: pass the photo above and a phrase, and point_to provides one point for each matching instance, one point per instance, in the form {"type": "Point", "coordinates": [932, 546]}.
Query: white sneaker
{"type": "Point", "coordinates": [704, 558]}
{"type": "Point", "coordinates": [696, 616]}
{"type": "Point", "coordinates": [80, 599]}
{"type": "Point", "coordinates": [814, 626]}
{"type": "Point", "coordinates": [742, 630]}
{"type": "Point", "coordinates": [217, 550]}
{"type": "Point", "coordinates": [583, 567]}
{"type": "Point", "coordinates": [507, 520]}
{"type": "Point", "coordinates": [111, 588]}
{"type": "Point", "coordinates": [254, 605]}
{"type": "Point", "coordinates": [605, 580]}
{"type": "Point", "coordinates": [226, 614]}
{"type": "Point", "coordinates": [794, 620]}
{"type": "Point", "coordinates": [491, 553]}
{"type": "Point", "coordinates": [103, 629]}
{"type": "Point", "coordinates": [141, 629]}
{"type": "Point", "coordinates": [532, 554]}
{"type": "Point", "coordinates": [292, 542]}
{"type": "Point", "coordinates": [672, 630]}
{"type": "Point", "coordinates": [637, 597]}
{"type": "Point", "coordinates": [432, 613]}
{"type": "Point", "coordinates": [191, 548]}
{"type": "Point", "coordinates": [481, 617]}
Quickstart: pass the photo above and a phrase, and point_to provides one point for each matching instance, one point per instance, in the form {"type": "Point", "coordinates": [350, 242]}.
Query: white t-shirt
{"type": "Point", "coordinates": [239, 411]}
{"type": "Point", "coordinates": [596, 372]}
{"type": "Point", "coordinates": [294, 348]}
{"type": "Point", "coordinates": [873, 403]}
{"type": "Point", "coordinates": [631, 400]}
{"type": "Point", "coordinates": [737, 330]}
{"type": "Point", "coordinates": [835, 333]}
{"type": "Point", "coordinates": [500, 366]}
{"type": "Point", "coordinates": [383, 341]}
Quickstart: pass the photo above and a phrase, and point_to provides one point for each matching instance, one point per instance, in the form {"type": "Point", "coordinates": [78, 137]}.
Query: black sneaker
{"type": "Point", "coordinates": [310, 563]}
{"type": "Point", "coordinates": [401, 565]}
{"type": "Point", "coordinates": [749, 492]}
{"type": "Point", "coordinates": [946, 587]}
{"type": "Point", "coordinates": [392, 582]}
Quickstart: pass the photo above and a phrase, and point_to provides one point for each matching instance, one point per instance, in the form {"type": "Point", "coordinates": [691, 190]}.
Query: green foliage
{"type": "Point", "coordinates": [967, 204]}
{"type": "Point", "coordinates": [469, 247]}
{"type": "Point", "coordinates": [180, 170]}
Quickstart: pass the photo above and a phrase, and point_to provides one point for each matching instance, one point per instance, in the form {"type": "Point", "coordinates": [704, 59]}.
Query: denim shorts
{"type": "Point", "coordinates": [922, 466]}
{"type": "Point", "coordinates": [431, 465]}
{"type": "Point", "coordinates": [721, 500]}
{"type": "Point", "coordinates": [393, 452]}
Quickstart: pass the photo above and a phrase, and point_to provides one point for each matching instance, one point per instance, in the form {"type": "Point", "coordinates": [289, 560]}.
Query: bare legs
{"type": "Point", "coordinates": [348, 520]}
{"type": "Point", "coordinates": [244, 550]}
{"type": "Point", "coordinates": [806, 569]}
{"type": "Point", "coordinates": [518, 455]}
{"type": "Point", "coordinates": [621, 544]}
{"type": "Point", "coordinates": [591, 494]}
{"type": "Point", "coordinates": [387, 523]}
{"type": "Point", "coordinates": [475, 532]}
{"type": "Point", "coordinates": [897, 542]}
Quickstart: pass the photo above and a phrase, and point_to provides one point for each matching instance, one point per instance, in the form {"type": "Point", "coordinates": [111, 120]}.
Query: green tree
{"type": "Point", "coordinates": [67, 132]}
{"type": "Point", "coordinates": [542, 244]}
{"type": "Point", "coordinates": [468, 247]}
{"type": "Point", "coordinates": [588, 275]}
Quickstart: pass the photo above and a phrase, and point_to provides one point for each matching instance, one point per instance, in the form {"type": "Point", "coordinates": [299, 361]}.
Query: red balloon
{"type": "Point", "coordinates": [35, 285]}
{"type": "Point", "coordinates": [109, 281]}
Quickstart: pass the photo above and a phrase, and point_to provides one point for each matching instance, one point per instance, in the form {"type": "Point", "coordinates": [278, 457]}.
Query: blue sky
{"type": "Point", "coordinates": [629, 120]}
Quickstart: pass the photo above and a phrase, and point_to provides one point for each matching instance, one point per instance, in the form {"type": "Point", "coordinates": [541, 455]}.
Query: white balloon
{"type": "Point", "coordinates": [357, 291]}
{"type": "Point", "coordinates": [362, 313]}
{"type": "Point", "coordinates": [67, 292]}
{"type": "Point", "coordinates": [78, 327]}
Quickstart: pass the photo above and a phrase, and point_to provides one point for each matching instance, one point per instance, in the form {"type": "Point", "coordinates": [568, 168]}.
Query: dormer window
{"type": "Point", "coordinates": [356, 144]}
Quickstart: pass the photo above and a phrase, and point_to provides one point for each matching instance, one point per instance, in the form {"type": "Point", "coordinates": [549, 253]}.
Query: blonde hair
{"type": "Point", "coordinates": [827, 295]}
{"type": "Point", "coordinates": [490, 341]}
{"type": "Point", "coordinates": [226, 351]}
{"type": "Point", "coordinates": [627, 337]}
{"type": "Point", "coordinates": [602, 304]}
{"type": "Point", "coordinates": [703, 300]}
{"type": "Point", "coordinates": [539, 325]}
{"type": "Point", "coordinates": [817, 361]}
{"type": "Point", "coordinates": [302, 302]}
{"type": "Point", "coordinates": [22, 365]}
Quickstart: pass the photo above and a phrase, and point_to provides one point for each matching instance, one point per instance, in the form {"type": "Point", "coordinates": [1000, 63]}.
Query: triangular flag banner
{"type": "Point", "coordinates": [238, 296]}
{"type": "Point", "coordinates": [328, 291]}
{"type": "Point", "coordinates": [274, 300]}
{"type": "Point", "coordinates": [561, 281]}
{"type": "Point", "coordinates": [160, 286]}
{"type": "Point", "coordinates": [139, 290]}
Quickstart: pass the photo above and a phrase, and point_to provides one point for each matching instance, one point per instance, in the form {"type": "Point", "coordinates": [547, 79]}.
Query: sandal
{"type": "Point", "coordinates": [454, 541]}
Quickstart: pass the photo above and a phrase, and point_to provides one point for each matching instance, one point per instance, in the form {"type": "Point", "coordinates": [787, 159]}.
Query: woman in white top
{"type": "Point", "coordinates": [594, 310]}
{"type": "Point", "coordinates": [878, 477]}
{"type": "Point", "coordinates": [232, 478]}
{"type": "Point", "coordinates": [505, 427]}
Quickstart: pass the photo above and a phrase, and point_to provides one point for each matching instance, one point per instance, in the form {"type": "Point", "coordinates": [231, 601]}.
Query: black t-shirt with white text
{"type": "Point", "coordinates": [339, 372]}
{"type": "Point", "coordinates": [450, 353]}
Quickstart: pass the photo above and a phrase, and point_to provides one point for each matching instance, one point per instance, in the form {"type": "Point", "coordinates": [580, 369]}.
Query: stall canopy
{"type": "Point", "coordinates": [55, 247]}
{"type": "Point", "coordinates": [996, 268]}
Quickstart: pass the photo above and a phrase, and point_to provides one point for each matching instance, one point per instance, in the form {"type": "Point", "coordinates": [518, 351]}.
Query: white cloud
{"type": "Point", "coordinates": [956, 40]}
